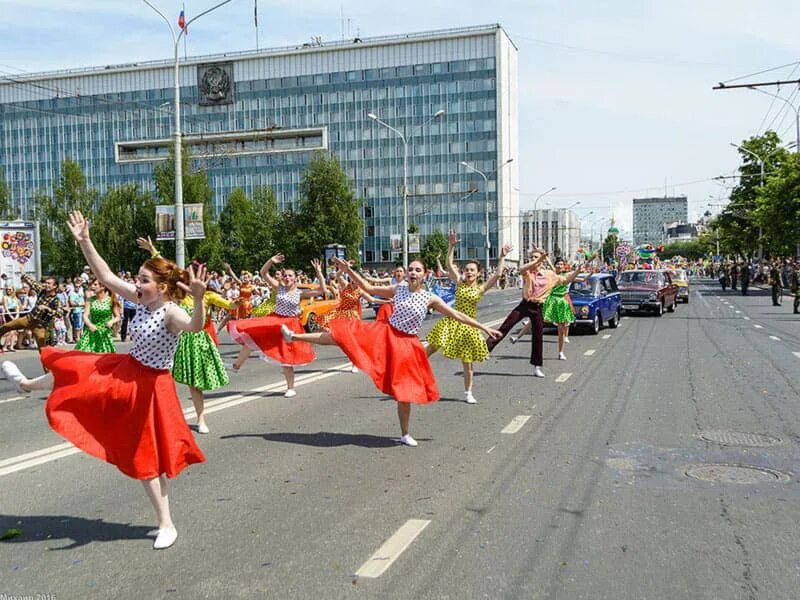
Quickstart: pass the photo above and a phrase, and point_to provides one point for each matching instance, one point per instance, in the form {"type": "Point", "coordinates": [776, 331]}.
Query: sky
{"type": "Point", "coordinates": [616, 98]}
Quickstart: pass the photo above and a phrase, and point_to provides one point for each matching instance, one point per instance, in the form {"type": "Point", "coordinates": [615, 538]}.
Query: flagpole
{"type": "Point", "coordinates": [185, 31]}
{"type": "Point", "coordinates": [255, 20]}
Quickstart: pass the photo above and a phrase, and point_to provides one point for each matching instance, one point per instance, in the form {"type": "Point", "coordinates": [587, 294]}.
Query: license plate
{"type": "Point", "coordinates": [630, 306]}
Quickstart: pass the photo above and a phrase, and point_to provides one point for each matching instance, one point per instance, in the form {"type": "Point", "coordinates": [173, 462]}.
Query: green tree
{"type": "Point", "coordinates": [778, 208]}
{"type": "Point", "coordinates": [196, 190]}
{"type": "Point", "coordinates": [60, 255]}
{"type": "Point", "coordinates": [328, 213]}
{"type": "Point", "coordinates": [610, 246]}
{"type": "Point", "coordinates": [123, 215]}
{"type": "Point", "coordinates": [236, 221]}
{"type": "Point", "coordinates": [263, 243]}
{"type": "Point", "coordinates": [691, 249]}
{"type": "Point", "coordinates": [435, 245]}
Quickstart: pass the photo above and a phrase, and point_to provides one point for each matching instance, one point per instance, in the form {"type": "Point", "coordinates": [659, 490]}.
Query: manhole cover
{"type": "Point", "coordinates": [737, 438]}
{"type": "Point", "coordinates": [735, 474]}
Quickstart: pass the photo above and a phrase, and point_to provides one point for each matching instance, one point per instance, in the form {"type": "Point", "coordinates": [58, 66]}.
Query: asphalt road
{"type": "Point", "coordinates": [585, 494]}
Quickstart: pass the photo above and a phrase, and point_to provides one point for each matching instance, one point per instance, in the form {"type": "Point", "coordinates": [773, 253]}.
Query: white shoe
{"type": "Point", "coordinates": [562, 356]}
{"type": "Point", "coordinates": [290, 393]}
{"type": "Point", "coordinates": [469, 398]}
{"type": "Point", "coordinates": [513, 339]}
{"type": "Point", "coordinates": [566, 340]}
{"type": "Point", "coordinates": [407, 440]}
{"type": "Point", "coordinates": [354, 369]}
{"type": "Point", "coordinates": [202, 428]}
{"type": "Point", "coordinates": [14, 375]}
{"type": "Point", "coordinates": [287, 334]}
{"type": "Point", "coordinates": [166, 537]}
{"type": "Point", "coordinates": [537, 372]}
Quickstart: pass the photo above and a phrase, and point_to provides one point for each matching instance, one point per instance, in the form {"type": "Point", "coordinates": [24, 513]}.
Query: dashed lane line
{"type": "Point", "coordinates": [746, 318]}
{"type": "Point", "coordinates": [775, 337]}
{"type": "Point", "coordinates": [797, 354]}
{"type": "Point", "coordinates": [589, 352]}
{"type": "Point", "coordinates": [11, 399]}
{"type": "Point", "coordinates": [563, 377]}
{"type": "Point", "coordinates": [606, 336]}
{"type": "Point", "coordinates": [758, 326]}
{"type": "Point", "coordinates": [392, 548]}
{"type": "Point", "coordinates": [516, 424]}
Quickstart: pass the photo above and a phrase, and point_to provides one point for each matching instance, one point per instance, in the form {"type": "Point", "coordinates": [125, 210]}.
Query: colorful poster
{"type": "Point", "coordinates": [19, 247]}
{"type": "Point", "coordinates": [396, 241]}
{"type": "Point", "coordinates": [413, 243]}
{"type": "Point", "coordinates": [192, 222]}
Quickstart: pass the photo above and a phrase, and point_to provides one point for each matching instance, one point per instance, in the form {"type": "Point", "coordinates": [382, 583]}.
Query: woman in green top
{"type": "Point", "coordinates": [100, 313]}
{"type": "Point", "coordinates": [557, 309]}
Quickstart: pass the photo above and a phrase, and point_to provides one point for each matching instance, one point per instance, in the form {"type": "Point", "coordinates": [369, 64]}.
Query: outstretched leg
{"type": "Point", "coordinates": [156, 490]}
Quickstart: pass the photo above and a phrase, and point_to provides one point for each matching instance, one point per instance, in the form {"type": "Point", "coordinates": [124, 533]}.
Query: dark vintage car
{"type": "Point", "coordinates": [648, 291]}
{"type": "Point", "coordinates": [596, 300]}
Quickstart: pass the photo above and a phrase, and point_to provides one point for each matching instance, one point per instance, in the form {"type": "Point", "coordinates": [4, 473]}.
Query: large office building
{"type": "Point", "coordinates": [650, 215]}
{"type": "Point", "coordinates": [558, 231]}
{"type": "Point", "coordinates": [253, 119]}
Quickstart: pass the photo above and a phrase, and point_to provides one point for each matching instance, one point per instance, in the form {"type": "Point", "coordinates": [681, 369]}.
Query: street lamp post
{"type": "Point", "coordinates": [176, 39]}
{"type": "Point", "coordinates": [536, 214]}
{"type": "Point", "coordinates": [487, 242]}
{"type": "Point", "coordinates": [402, 137]}
{"type": "Point", "coordinates": [761, 185]}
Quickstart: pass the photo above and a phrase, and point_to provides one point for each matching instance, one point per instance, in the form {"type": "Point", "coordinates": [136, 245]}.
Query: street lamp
{"type": "Point", "coordinates": [402, 137]}
{"type": "Point", "coordinates": [485, 206]}
{"type": "Point", "coordinates": [176, 38]}
{"type": "Point", "coordinates": [536, 214]}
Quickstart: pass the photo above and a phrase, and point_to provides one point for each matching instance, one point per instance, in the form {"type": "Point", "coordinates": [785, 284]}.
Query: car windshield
{"type": "Point", "coordinates": [679, 275]}
{"type": "Point", "coordinates": [581, 288]}
{"type": "Point", "coordinates": [639, 277]}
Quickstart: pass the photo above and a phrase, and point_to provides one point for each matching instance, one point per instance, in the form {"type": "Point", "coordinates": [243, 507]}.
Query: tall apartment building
{"type": "Point", "coordinates": [558, 231]}
{"type": "Point", "coordinates": [252, 119]}
{"type": "Point", "coordinates": [650, 215]}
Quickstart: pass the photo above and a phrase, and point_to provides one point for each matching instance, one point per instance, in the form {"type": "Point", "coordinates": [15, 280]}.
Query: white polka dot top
{"type": "Point", "coordinates": [153, 344]}
{"type": "Point", "coordinates": [287, 304]}
{"type": "Point", "coordinates": [409, 309]}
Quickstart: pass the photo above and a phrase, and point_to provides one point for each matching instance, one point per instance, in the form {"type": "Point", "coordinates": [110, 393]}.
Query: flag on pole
{"type": "Point", "coordinates": [182, 22]}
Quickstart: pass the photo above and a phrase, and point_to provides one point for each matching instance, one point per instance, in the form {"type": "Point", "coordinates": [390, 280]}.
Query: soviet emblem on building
{"type": "Point", "coordinates": [215, 84]}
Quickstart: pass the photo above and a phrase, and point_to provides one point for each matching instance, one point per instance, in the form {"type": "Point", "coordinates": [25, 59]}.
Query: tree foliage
{"type": "Point", "coordinates": [435, 245]}
{"type": "Point", "coordinates": [328, 212]}
{"type": "Point", "coordinates": [123, 215]}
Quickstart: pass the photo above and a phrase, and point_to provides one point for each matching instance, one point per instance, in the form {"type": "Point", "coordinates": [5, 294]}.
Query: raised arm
{"type": "Point", "coordinates": [490, 283]}
{"type": "Point", "coordinates": [265, 274]}
{"type": "Point", "coordinates": [147, 245]}
{"type": "Point", "coordinates": [232, 274]}
{"type": "Point", "coordinates": [441, 306]}
{"type": "Point", "coordinates": [535, 262]}
{"type": "Point", "coordinates": [79, 227]}
{"type": "Point", "coordinates": [377, 280]}
{"type": "Point", "coordinates": [177, 320]}
{"type": "Point", "coordinates": [452, 270]}
{"type": "Point", "coordinates": [384, 291]}
{"type": "Point", "coordinates": [321, 290]}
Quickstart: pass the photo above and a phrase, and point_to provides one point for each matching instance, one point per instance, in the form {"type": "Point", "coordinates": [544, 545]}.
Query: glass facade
{"type": "Point", "coordinates": [650, 215]}
{"type": "Point", "coordinates": [36, 135]}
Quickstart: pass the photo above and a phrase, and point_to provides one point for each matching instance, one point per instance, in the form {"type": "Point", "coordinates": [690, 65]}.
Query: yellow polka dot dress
{"type": "Point", "coordinates": [458, 340]}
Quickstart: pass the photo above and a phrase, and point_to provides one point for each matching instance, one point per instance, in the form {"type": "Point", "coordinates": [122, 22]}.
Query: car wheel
{"type": "Point", "coordinates": [311, 324]}
{"type": "Point", "coordinates": [686, 300]}
{"type": "Point", "coordinates": [613, 322]}
{"type": "Point", "coordinates": [596, 324]}
{"type": "Point", "coordinates": [660, 309]}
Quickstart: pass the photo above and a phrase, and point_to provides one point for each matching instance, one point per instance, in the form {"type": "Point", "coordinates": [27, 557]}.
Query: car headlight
{"type": "Point", "coordinates": [584, 310]}
{"type": "Point", "coordinates": [652, 296]}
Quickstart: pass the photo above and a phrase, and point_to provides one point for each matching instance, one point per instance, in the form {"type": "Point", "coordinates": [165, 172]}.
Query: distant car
{"type": "Point", "coordinates": [648, 291]}
{"type": "Point", "coordinates": [596, 300]}
{"type": "Point", "coordinates": [681, 278]}
{"type": "Point", "coordinates": [313, 308]}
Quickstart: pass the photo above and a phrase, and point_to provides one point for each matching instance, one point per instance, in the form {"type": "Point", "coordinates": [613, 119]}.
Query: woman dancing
{"type": "Point", "coordinates": [263, 334]}
{"type": "Point", "coordinates": [389, 351]}
{"type": "Point", "coordinates": [100, 313]}
{"type": "Point", "coordinates": [457, 340]}
{"type": "Point", "coordinates": [123, 408]}
{"type": "Point", "coordinates": [245, 284]}
{"type": "Point", "coordinates": [558, 308]}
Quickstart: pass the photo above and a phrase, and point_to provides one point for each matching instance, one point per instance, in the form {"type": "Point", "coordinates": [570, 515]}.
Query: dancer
{"type": "Point", "coordinates": [398, 276]}
{"type": "Point", "coordinates": [100, 313]}
{"type": "Point", "coordinates": [455, 339]}
{"type": "Point", "coordinates": [245, 293]}
{"type": "Point", "coordinates": [537, 284]}
{"type": "Point", "coordinates": [123, 408]}
{"type": "Point", "coordinates": [267, 307]}
{"type": "Point", "coordinates": [263, 334]}
{"type": "Point", "coordinates": [389, 351]}
{"type": "Point", "coordinates": [558, 309]}
{"type": "Point", "coordinates": [40, 319]}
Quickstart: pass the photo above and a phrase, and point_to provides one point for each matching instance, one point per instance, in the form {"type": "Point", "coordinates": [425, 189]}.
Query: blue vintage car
{"type": "Point", "coordinates": [596, 300]}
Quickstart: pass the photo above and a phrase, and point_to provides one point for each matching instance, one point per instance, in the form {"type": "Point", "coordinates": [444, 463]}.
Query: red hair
{"type": "Point", "coordinates": [167, 272]}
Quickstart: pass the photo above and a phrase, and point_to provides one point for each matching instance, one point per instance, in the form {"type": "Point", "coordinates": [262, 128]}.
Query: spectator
{"type": "Point", "coordinates": [76, 301]}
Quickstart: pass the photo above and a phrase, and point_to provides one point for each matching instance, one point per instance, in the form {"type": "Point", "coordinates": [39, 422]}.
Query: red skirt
{"type": "Point", "coordinates": [385, 311]}
{"type": "Point", "coordinates": [395, 361]}
{"type": "Point", "coordinates": [211, 330]}
{"type": "Point", "coordinates": [263, 336]}
{"type": "Point", "coordinates": [116, 409]}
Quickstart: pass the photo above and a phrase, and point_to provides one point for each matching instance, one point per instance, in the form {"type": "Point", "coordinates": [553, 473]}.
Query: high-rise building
{"type": "Point", "coordinates": [650, 215]}
{"type": "Point", "coordinates": [252, 119]}
{"type": "Point", "coordinates": [558, 231]}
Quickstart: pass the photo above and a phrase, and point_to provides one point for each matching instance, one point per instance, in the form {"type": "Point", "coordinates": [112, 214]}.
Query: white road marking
{"type": "Point", "coordinates": [489, 451]}
{"type": "Point", "coordinates": [392, 548]}
{"type": "Point", "coordinates": [563, 377]}
{"type": "Point", "coordinates": [746, 318]}
{"type": "Point", "coordinates": [775, 337]}
{"type": "Point", "coordinates": [12, 399]}
{"type": "Point", "coordinates": [516, 424]}
{"type": "Point", "coordinates": [797, 354]}
{"type": "Point", "coordinates": [738, 312]}
{"type": "Point", "coordinates": [606, 336]}
{"type": "Point", "coordinates": [589, 352]}
{"type": "Point", "coordinates": [758, 326]}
